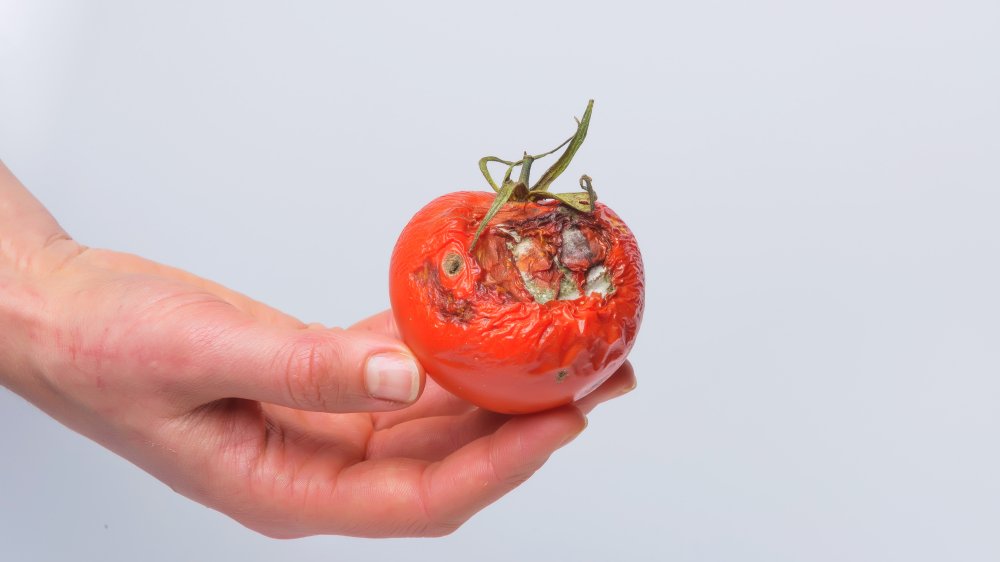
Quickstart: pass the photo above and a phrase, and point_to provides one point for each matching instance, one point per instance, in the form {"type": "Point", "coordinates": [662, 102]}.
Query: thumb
{"type": "Point", "coordinates": [324, 370]}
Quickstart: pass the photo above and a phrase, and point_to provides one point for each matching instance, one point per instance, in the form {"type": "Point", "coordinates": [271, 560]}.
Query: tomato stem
{"type": "Point", "coordinates": [526, 168]}
{"type": "Point", "coordinates": [519, 191]}
{"type": "Point", "coordinates": [560, 166]}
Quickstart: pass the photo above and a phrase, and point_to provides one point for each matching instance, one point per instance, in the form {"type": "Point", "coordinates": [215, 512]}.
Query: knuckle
{"type": "Point", "coordinates": [506, 474]}
{"type": "Point", "coordinates": [516, 478]}
{"type": "Point", "coordinates": [311, 372]}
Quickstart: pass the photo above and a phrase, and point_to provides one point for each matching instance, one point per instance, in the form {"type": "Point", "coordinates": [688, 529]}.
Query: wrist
{"type": "Point", "coordinates": [32, 247]}
{"type": "Point", "coordinates": [21, 321]}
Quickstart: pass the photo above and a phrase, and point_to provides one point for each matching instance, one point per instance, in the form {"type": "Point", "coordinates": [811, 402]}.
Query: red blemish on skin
{"type": "Point", "coordinates": [80, 356]}
{"type": "Point", "coordinates": [72, 347]}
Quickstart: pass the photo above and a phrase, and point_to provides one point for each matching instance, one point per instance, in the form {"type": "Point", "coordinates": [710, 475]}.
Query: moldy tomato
{"type": "Point", "coordinates": [519, 300]}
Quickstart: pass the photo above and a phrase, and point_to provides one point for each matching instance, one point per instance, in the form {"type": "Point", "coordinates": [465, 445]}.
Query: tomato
{"type": "Point", "coordinates": [535, 312]}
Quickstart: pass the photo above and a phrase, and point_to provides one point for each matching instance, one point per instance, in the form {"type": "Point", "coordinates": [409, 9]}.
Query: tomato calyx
{"type": "Point", "coordinates": [511, 190]}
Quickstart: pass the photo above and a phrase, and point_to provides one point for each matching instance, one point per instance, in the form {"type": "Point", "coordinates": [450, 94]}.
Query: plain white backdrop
{"type": "Point", "coordinates": [814, 185]}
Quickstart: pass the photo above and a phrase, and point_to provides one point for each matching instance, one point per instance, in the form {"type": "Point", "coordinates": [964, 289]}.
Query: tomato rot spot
{"type": "Point", "coordinates": [556, 255]}
{"type": "Point", "coordinates": [452, 264]}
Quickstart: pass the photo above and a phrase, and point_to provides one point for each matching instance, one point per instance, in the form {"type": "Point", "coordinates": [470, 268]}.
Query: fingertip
{"type": "Point", "coordinates": [394, 376]}
{"type": "Point", "coordinates": [627, 379]}
{"type": "Point", "coordinates": [582, 424]}
{"type": "Point", "coordinates": [620, 383]}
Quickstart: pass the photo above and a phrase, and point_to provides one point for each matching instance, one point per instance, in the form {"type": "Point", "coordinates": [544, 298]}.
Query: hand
{"type": "Point", "coordinates": [291, 429]}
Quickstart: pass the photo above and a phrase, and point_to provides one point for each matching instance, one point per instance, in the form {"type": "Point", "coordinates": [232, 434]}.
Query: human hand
{"type": "Point", "coordinates": [245, 409]}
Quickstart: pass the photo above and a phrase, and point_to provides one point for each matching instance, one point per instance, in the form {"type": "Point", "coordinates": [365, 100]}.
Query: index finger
{"type": "Point", "coordinates": [381, 323]}
{"type": "Point", "coordinates": [407, 497]}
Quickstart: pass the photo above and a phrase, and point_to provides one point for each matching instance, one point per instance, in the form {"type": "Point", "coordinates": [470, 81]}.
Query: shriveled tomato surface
{"type": "Point", "coordinates": [540, 312]}
{"type": "Point", "coordinates": [522, 299]}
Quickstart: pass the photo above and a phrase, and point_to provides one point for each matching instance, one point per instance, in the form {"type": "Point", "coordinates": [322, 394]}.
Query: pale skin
{"type": "Point", "coordinates": [246, 409]}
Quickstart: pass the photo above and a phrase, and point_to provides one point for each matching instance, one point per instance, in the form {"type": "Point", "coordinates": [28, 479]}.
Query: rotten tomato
{"type": "Point", "coordinates": [522, 299]}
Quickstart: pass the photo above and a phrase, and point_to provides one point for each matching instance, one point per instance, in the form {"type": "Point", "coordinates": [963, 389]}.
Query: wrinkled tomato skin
{"type": "Point", "coordinates": [503, 354]}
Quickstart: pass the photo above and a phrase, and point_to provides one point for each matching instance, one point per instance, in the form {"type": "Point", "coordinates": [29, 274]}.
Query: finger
{"type": "Point", "coordinates": [382, 323]}
{"type": "Point", "coordinates": [486, 469]}
{"type": "Point", "coordinates": [132, 264]}
{"type": "Point", "coordinates": [330, 370]}
{"type": "Point", "coordinates": [25, 225]}
{"type": "Point", "coordinates": [434, 438]}
{"type": "Point", "coordinates": [346, 435]}
{"type": "Point", "coordinates": [434, 401]}
{"type": "Point", "coordinates": [620, 383]}
{"type": "Point", "coordinates": [408, 497]}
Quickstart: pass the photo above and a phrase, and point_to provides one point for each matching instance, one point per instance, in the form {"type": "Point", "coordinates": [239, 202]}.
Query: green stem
{"type": "Point", "coordinates": [502, 197]}
{"type": "Point", "coordinates": [560, 166]}
{"type": "Point", "coordinates": [519, 191]}
{"type": "Point", "coordinates": [486, 171]}
{"type": "Point", "coordinates": [526, 169]}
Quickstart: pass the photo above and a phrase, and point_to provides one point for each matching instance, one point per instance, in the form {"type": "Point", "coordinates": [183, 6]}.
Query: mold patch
{"type": "Point", "coordinates": [555, 256]}
{"type": "Point", "coordinates": [598, 281]}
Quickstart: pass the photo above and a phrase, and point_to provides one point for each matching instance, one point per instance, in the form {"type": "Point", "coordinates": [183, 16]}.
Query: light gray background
{"type": "Point", "coordinates": [814, 186]}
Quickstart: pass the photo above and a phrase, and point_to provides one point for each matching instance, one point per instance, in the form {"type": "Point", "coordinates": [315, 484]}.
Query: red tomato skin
{"type": "Point", "coordinates": [509, 356]}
